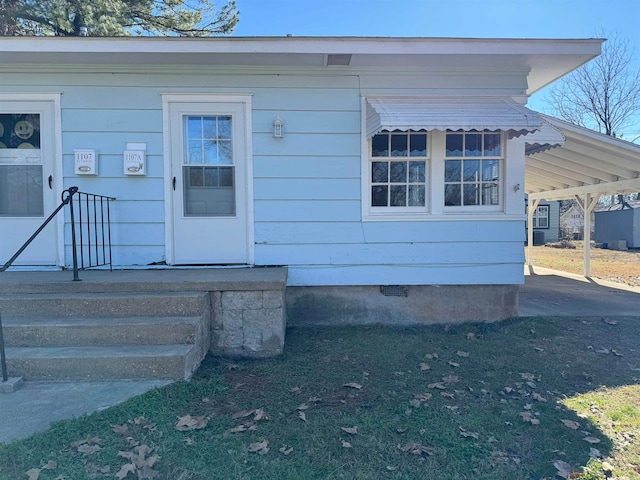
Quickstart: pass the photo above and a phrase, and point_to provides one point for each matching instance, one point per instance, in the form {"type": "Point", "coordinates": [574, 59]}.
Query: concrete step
{"type": "Point", "coordinates": [102, 363]}
{"type": "Point", "coordinates": [97, 305]}
{"type": "Point", "coordinates": [83, 331]}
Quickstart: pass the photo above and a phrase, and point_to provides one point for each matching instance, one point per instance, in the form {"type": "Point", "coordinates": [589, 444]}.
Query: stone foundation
{"type": "Point", "coordinates": [248, 323]}
{"type": "Point", "coordinates": [424, 304]}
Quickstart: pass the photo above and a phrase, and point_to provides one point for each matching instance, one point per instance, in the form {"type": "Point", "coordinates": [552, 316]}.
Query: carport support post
{"type": "Point", "coordinates": [530, 209]}
{"type": "Point", "coordinates": [587, 205]}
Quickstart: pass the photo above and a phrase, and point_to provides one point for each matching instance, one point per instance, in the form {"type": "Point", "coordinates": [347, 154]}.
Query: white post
{"type": "Point", "coordinates": [588, 207]}
{"type": "Point", "coordinates": [530, 209]}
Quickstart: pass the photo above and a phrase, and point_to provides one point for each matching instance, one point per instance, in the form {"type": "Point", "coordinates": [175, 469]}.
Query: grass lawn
{"type": "Point", "coordinates": [611, 265]}
{"type": "Point", "coordinates": [520, 399]}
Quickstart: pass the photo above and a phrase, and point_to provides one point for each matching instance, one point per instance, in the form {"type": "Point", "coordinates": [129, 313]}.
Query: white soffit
{"type": "Point", "coordinates": [588, 162]}
{"type": "Point", "coordinates": [450, 113]}
{"type": "Point", "coordinates": [546, 138]}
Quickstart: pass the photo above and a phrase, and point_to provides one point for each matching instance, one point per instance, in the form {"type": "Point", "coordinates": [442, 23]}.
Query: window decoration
{"type": "Point", "coordinates": [472, 168]}
{"type": "Point", "coordinates": [398, 170]}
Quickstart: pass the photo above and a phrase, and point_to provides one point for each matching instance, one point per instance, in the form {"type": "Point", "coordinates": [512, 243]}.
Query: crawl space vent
{"type": "Point", "coordinates": [394, 290]}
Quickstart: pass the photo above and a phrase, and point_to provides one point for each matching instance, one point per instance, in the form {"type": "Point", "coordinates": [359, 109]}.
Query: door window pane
{"type": "Point", "coordinates": [21, 191]}
{"type": "Point", "coordinates": [209, 191]}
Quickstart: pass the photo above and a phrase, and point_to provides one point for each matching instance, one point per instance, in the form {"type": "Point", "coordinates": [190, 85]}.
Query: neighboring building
{"type": "Point", "coordinates": [572, 223]}
{"type": "Point", "coordinates": [619, 226]}
{"type": "Point", "coordinates": [546, 223]}
{"type": "Point", "coordinates": [356, 162]}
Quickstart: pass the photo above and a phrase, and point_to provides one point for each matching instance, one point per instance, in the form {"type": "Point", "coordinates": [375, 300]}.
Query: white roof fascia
{"type": "Point", "coordinates": [544, 59]}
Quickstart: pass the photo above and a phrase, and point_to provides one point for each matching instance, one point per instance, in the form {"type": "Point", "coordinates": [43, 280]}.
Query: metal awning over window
{"type": "Point", "coordinates": [450, 113]}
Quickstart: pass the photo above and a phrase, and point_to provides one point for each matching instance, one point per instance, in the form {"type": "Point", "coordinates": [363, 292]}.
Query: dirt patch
{"type": "Point", "coordinates": [612, 265]}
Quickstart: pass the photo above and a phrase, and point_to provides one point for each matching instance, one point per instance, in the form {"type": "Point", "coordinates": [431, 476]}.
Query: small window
{"type": "Point", "coordinates": [541, 217]}
{"type": "Point", "coordinates": [472, 170]}
{"type": "Point", "coordinates": [398, 171]}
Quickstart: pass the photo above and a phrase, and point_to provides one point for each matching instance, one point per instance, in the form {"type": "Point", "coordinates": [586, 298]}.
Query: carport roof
{"type": "Point", "coordinates": [587, 162]}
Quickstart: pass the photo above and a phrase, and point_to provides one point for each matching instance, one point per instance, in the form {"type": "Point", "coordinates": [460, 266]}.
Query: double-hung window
{"type": "Point", "coordinates": [541, 217]}
{"type": "Point", "coordinates": [473, 169]}
{"type": "Point", "coordinates": [398, 169]}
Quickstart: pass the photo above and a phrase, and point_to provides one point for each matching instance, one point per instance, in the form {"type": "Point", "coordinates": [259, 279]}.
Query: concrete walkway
{"type": "Point", "coordinates": [552, 293]}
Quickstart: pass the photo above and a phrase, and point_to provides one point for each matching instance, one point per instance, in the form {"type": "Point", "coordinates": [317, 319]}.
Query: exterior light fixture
{"type": "Point", "coordinates": [278, 128]}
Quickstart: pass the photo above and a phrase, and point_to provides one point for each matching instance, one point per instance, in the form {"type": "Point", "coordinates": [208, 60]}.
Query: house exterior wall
{"type": "Point", "coordinates": [552, 232]}
{"type": "Point", "coordinates": [306, 186]}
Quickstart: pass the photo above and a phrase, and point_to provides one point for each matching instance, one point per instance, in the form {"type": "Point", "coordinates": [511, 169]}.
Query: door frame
{"type": "Point", "coordinates": [57, 167]}
{"type": "Point", "coordinates": [209, 98]}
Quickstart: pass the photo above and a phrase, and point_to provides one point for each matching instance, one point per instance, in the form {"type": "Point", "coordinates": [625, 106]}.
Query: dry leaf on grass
{"type": "Point", "coordinates": [438, 385]}
{"type": "Point", "coordinates": [424, 366]}
{"type": "Point", "coordinates": [536, 396]}
{"type": "Point", "coordinates": [450, 379]}
{"type": "Point", "coordinates": [89, 449]}
{"type": "Point", "coordinates": [453, 364]}
{"type": "Point", "coordinates": [447, 395]}
{"type": "Point", "coordinates": [125, 470]}
{"type": "Point", "coordinates": [423, 397]}
{"type": "Point", "coordinates": [302, 416]}
{"type": "Point", "coordinates": [122, 429]}
{"type": "Point", "coordinates": [33, 474]}
{"type": "Point", "coordinates": [357, 386]}
{"type": "Point", "coordinates": [564, 469]}
{"type": "Point", "coordinates": [350, 430]}
{"type": "Point", "coordinates": [594, 452]}
{"type": "Point", "coordinates": [295, 390]}
{"type": "Point", "coordinates": [571, 424]}
{"type": "Point", "coordinates": [346, 444]}
{"type": "Point", "coordinates": [415, 448]}
{"type": "Point", "coordinates": [261, 448]}
{"type": "Point", "coordinates": [528, 417]}
{"type": "Point", "coordinates": [591, 439]}
{"type": "Point", "coordinates": [431, 356]}
{"type": "Point", "coordinates": [609, 322]}
{"type": "Point", "coordinates": [462, 354]}
{"type": "Point", "coordinates": [188, 423]}
{"type": "Point", "coordinates": [466, 433]}
{"type": "Point", "coordinates": [303, 406]}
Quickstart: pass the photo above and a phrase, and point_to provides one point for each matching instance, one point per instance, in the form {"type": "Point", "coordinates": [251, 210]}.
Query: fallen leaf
{"type": "Point", "coordinates": [466, 433]}
{"type": "Point", "coordinates": [123, 429]}
{"type": "Point", "coordinates": [538, 397]}
{"type": "Point", "coordinates": [415, 403]}
{"type": "Point", "coordinates": [89, 449]}
{"type": "Point", "coordinates": [51, 465]}
{"type": "Point", "coordinates": [350, 430]}
{"type": "Point", "coordinates": [431, 356]}
{"type": "Point", "coordinates": [416, 449]}
{"type": "Point", "coordinates": [528, 417]}
{"type": "Point", "coordinates": [401, 430]}
{"type": "Point", "coordinates": [528, 376]}
{"type": "Point", "coordinates": [528, 406]}
{"type": "Point", "coordinates": [260, 414]}
{"type": "Point", "coordinates": [424, 366]}
{"type": "Point", "coordinates": [571, 424]}
{"type": "Point", "coordinates": [295, 390]}
{"type": "Point", "coordinates": [238, 429]}
{"type": "Point", "coordinates": [243, 414]}
{"type": "Point", "coordinates": [462, 354]}
{"type": "Point", "coordinates": [453, 364]}
{"type": "Point", "coordinates": [315, 399]}
{"type": "Point", "coordinates": [189, 441]}
{"type": "Point", "coordinates": [594, 452]}
{"type": "Point", "coordinates": [303, 406]}
{"type": "Point", "coordinates": [438, 385]}
{"type": "Point", "coordinates": [538, 349]}
{"type": "Point", "coordinates": [285, 451]}
{"type": "Point", "coordinates": [188, 423]}
{"type": "Point", "coordinates": [33, 474]}
{"type": "Point", "coordinates": [125, 470]}
{"type": "Point", "coordinates": [423, 397]}
{"type": "Point", "coordinates": [302, 416]}
{"type": "Point", "coordinates": [147, 473]}
{"type": "Point", "coordinates": [447, 395]}
{"type": "Point", "coordinates": [450, 379]}
{"type": "Point", "coordinates": [391, 468]}
{"type": "Point", "coordinates": [346, 444]}
{"type": "Point", "coordinates": [261, 448]}
{"type": "Point", "coordinates": [357, 386]}
{"type": "Point", "coordinates": [591, 439]}
{"type": "Point", "coordinates": [564, 469]}
{"type": "Point", "coordinates": [609, 322]}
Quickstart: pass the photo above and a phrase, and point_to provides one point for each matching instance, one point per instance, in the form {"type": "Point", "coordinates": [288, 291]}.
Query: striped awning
{"type": "Point", "coordinates": [450, 113]}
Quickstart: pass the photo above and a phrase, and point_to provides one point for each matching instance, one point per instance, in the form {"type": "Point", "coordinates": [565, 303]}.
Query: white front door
{"type": "Point", "coordinates": [208, 182]}
{"type": "Point", "coordinates": [27, 196]}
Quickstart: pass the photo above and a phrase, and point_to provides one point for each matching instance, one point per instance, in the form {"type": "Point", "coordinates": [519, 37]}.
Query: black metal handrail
{"type": "Point", "coordinates": [94, 230]}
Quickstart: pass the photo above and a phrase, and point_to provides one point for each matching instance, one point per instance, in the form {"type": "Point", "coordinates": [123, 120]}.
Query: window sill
{"type": "Point", "coordinates": [442, 217]}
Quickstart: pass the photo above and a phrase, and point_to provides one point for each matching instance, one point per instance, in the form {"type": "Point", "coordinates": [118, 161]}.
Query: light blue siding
{"type": "Point", "coordinates": [307, 185]}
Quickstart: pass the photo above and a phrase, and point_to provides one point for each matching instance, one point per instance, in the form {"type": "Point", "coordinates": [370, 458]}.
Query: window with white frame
{"type": "Point", "coordinates": [398, 171]}
{"type": "Point", "coordinates": [472, 170]}
{"type": "Point", "coordinates": [541, 217]}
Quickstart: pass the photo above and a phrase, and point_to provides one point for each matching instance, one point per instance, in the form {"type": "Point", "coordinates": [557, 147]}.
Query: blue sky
{"type": "Point", "coordinates": [443, 18]}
